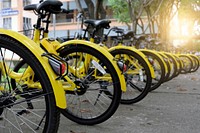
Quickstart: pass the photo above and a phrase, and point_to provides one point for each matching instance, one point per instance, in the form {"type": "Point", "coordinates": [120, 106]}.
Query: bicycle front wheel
{"type": "Point", "coordinates": [98, 97]}
{"type": "Point", "coordinates": [27, 103]}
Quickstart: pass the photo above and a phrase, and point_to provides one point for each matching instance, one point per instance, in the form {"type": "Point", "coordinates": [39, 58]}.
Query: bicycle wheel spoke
{"type": "Point", "coordinates": [137, 75]}
{"type": "Point", "coordinates": [94, 99]}
{"type": "Point", "coordinates": [27, 103]}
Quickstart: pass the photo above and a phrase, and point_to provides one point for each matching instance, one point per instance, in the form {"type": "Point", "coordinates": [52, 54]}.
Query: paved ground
{"type": "Point", "coordinates": [173, 108]}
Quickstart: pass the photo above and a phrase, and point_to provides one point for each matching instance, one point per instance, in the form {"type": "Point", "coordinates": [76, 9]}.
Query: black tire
{"type": "Point", "coordinates": [136, 89]}
{"type": "Point", "coordinates": [179, 65]}
{"type": "Point", "coordinates": [173, 71]}
{"type": "Point", "coordinates": [91, 113]}
{"type": "Point", "coordinates": [167, 61]}
{"type": "Point", "coordinates": [195, 64]}
{"type": "Point", "coordinates": [159, 69]}
{"type": "Point", "coordinates": [187, 64]}
{"type": "Point", "coordinates": [26, 118]}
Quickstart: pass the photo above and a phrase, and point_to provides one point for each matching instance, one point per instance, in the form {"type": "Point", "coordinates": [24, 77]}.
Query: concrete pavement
{"type": "Point", "coordinates": [173, 108]}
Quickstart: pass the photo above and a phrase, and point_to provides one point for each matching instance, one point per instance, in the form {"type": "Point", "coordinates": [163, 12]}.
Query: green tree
{"type": "Point", "coordinates": [166, 14]}
{"type": "Point", "coordinates": [146, 14]}
{"type": "Point", "coordinates": [134, 13]}
{"type": "Point", "coordinates": [129, 12]}
{"type": "Point", "coordinates": [121, 11]}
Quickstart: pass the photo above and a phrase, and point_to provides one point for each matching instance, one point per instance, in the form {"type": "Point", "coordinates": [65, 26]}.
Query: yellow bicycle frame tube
{"type": "Point", "coordinates": [37, 51]}
{"type": "Point", "coordinates": [103, 51]}
{"type": "Point", "coordinates": [139, 53]}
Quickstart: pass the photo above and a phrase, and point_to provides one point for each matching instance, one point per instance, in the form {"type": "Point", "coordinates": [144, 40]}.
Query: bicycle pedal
{"type": "Point", "coordinates": [23, 112]}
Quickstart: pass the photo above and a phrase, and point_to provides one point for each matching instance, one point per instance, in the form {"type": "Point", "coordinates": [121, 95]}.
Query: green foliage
{"type": "Point", "coordinates": [186, 8]}
{"type": "Point", "coordinates": [120, 10]}
{"type": "Point", "coordinates": [162, 12]}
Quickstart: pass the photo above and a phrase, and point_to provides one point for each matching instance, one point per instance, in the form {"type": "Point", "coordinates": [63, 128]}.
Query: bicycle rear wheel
{"type": "Point", "coordinates": [195, 63]}
{"type": "Point", "coordinates": [137, 76]}
{"type": "Point", "coordinates": [187, 64]}
{"type": "Point", "coordinates": [158, 67]}
{"type": "Point", "coordinates": [167, 61]}
{"type": "Point", "coordinates": [179, 65]}
{"type": "Point", "coordinates": [99, 95]}
{"type": "Point", "coordinates": [24, 108]}
{"type": "Point", "coordinates": [173, 64]}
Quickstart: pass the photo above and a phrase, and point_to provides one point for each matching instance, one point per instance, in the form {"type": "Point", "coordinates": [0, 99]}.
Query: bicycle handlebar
{"type": "Point", "coordinates": [116, 29]}
{"type": "Point", "coordinates": [64, 10]}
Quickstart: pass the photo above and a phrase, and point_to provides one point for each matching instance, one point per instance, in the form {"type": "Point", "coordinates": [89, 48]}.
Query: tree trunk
{"type": "Point", "coordinates": [79, 6]}
{"type": "Point", "coordinates": [97, 12]}
{"type": "Point", "coordinates": [100, 12]}
{"type": "Point", "coordinates": [90, 6]}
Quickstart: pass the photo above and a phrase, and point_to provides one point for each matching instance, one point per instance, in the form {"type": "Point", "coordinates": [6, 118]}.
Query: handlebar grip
{"type": "Point", "coordinates": [64, 11]}
{"type": "Point", "coordinates": [117, 28]}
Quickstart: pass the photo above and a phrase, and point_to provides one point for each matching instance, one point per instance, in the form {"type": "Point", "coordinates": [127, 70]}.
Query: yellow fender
{"type": "Point", "coordinates": [139, 53]}
{"type": "Point", "coordinates": [157, 54]}
{"type": "Point", "coordinates": [195, 56]}
{"type": "Point", "coordinates": [37, 51]}
{"type": "Point", "coordinates": [189, 56]}
{"type": "Point", "coordinates": [172, 55]}
{"type": "Point", "coordinates": [179, 63]}
{"type": "Point", "coordinates": [103, 51]}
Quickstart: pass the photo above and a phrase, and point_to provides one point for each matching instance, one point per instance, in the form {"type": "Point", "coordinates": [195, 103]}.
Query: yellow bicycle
{"type": "Point", "coordinates": [135, 67]}
{"type": "Point", "coordinates": [155, 61]}
{"type": "Point", "coordinates": [93, 82]}
{"type": "Point", "coordinates": [30, 97]}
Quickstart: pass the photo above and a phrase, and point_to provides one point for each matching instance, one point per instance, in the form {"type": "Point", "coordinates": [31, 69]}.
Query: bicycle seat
{"type": "Point", "coordinates": [104, 23]}
{"type": "Point", "coordinates": [118, 30]}
{"type": "Point", "coordinates": [140, 37]}
{"type": "Point", "coordinates": [48, 6]}
{"type": "Point", "coordinates": [151, 40]}
{"type": "Point", "coordinates": [128, 34]}
{"type": "Point", "coordinates": [158, 43]}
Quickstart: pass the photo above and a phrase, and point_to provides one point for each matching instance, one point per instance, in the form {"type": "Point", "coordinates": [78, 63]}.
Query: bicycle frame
{"type": "Point", "coordinates": [33, 47]}
{"type": "Point", "coordinates": [17, 76]}
{"type": "Point", "coordinates": [120, 46]}
{"type": "Point", "coordinates": [139, 53]}
{"type": "Point", "coordinates": [103, 51]}
{"type": "Point", "coordinates": [54, 46]}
